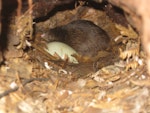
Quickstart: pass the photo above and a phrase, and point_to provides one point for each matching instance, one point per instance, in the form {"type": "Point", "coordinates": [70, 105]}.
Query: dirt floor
{"type": "Point", "coordinates": [117, 82]}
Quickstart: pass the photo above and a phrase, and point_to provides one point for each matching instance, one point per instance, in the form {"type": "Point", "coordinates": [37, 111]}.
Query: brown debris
{"type": "Point", "coordinates": [34, 81]}
{"type": "Point", "coordinates": [116, 14]}
{"type": "Point", "coordinates": [39, 11]}
{"type": "Point", "coordinates": [0, 16]}
{"type": "Point", "coordinates": [139, 18]}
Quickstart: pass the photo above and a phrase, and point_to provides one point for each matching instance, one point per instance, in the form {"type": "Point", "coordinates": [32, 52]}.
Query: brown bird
{"type": "Point", "coordinates": [82, 35]}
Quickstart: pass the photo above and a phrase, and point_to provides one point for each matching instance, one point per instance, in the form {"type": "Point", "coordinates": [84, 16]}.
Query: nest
{"type": "Point", "coordinates": [113, 81]}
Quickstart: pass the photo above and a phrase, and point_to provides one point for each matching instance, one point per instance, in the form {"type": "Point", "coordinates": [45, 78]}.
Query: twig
{"type": "Point", "coordinates": [30, 5]}
{"type": "Point", "coordinates": [7, 92]}
{"type": "Point", "coordinates": [19, 7]}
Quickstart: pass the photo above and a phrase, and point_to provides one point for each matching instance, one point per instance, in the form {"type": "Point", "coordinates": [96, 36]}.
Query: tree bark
{"type": "Point", "coordinates": [0, 16]}
{"type": "Point", "coordinates": [43, 7]}
{"type": "Point", "coordinates": [139, 16]}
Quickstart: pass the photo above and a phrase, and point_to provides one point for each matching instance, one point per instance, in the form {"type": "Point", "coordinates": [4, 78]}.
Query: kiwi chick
{"type": "Point", "coordinates": [82, 35]}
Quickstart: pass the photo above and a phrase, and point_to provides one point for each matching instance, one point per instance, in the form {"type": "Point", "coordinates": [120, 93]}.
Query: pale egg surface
{"type": "Point", "coordinates": [62, 50]}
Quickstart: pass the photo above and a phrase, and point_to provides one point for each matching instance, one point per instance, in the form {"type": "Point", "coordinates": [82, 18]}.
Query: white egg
{"type": "Point", "coordinates": [62, 50]}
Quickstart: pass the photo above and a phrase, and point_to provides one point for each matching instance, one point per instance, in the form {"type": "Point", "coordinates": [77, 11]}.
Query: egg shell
{"type": "Point", "coordinates": [62, 50]}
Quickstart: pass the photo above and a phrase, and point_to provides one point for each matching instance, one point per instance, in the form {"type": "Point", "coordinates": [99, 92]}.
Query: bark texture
{"type": "Point", "coordinates": [139, 17]}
